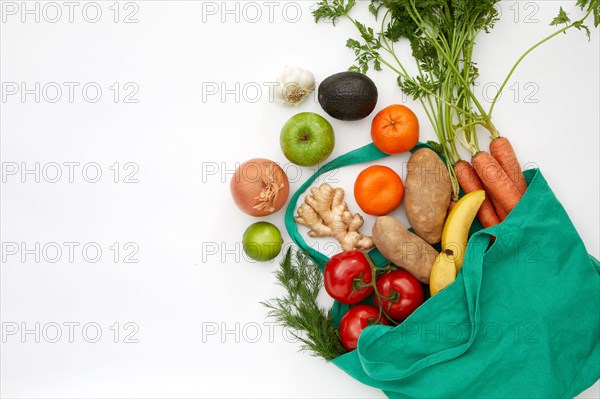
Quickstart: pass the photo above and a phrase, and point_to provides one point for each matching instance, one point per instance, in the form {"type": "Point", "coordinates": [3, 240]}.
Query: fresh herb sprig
{"type": "Point", "coordinates": [298, 310]}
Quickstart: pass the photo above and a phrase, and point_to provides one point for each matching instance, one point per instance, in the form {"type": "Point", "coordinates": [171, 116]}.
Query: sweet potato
{"type": "Point", "coordinates": [427, 194]}
{"type": "Point", "coordinates": [404, 248]}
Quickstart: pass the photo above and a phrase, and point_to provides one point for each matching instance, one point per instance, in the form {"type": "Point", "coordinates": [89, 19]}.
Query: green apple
{"type": "Point", "coordinates": [307, 139]}
{"type": "Point", "coordinates": [262, 241]}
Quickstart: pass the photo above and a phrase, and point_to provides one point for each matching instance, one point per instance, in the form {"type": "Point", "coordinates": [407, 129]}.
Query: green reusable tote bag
{"type": "Point", "coordinates": [521, 320]}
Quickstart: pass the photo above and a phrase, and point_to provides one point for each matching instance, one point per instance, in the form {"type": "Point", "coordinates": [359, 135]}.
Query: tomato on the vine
{"type": "Point", "coordinates": [401, 294]}
{"type": "Point", "coordinates": [347, 277]}
{"type": "Point", "coordinates": [355, 321]}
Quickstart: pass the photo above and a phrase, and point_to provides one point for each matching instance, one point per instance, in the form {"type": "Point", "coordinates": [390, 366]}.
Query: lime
{"type": "Point", "coordinates": [262, 241]}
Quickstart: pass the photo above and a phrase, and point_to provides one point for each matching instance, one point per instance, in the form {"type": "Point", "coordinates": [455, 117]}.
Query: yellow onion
{"type": "Point", "coordinates": [259, 187]}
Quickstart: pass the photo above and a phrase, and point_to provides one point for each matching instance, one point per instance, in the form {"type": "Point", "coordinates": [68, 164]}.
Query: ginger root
{"type": "Point", "coordinates": [326, 214]}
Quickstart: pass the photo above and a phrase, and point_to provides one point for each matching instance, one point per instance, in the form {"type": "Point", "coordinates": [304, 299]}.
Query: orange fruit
{"type": "Point", "coordinates": [378, 190]}
{"type": "Point", "coordinates": [395, 129]}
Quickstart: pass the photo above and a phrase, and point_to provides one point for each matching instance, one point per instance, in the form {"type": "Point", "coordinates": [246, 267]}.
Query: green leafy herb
{"type": "Point", "coordinates": [298, 310]}
{"type": "Point", "coordinates": [333, 10]}
{"type": "Point", "coordinates": [593, 6]}
{"type": "Point", "coordinates": [436, 147]}
{"type": "Point", "coordinates": [561, 18]}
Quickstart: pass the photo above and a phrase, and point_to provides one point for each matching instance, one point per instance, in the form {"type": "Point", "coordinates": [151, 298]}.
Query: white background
{"type": "Point", "coordinates": [191, 284]}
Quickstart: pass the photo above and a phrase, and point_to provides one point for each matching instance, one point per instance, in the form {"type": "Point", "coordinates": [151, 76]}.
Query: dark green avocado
{"type": "Point", "coordinates": [348, 96]}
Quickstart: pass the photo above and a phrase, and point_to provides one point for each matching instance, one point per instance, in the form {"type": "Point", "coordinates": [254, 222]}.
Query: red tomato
{"type": "Point", "coordinates": [405, 291]}
{"type": "Point", "coordinates": [343, 275]}
{"type": "Point", "coordinates": [355, 321]}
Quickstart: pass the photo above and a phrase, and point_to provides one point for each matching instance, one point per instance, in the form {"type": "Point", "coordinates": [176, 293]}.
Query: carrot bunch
{"type": "Point", "coordinates": [499, 174]}
{"type": "Point", "coordinates": [498, 171]}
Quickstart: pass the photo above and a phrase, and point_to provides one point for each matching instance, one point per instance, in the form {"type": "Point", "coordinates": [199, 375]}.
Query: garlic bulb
{"type": "Point", "coordinates": [294, 85]}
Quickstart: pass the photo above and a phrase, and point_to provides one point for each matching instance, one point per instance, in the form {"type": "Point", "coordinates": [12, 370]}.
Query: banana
{"type": "Point", "coordinates": [443, 272]}
{"type": "Point", "coordinates": [456, 229]}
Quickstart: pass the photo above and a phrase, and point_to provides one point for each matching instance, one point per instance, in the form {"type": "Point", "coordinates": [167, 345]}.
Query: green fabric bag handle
{"type": "Point", "coordinates": [365, 154]}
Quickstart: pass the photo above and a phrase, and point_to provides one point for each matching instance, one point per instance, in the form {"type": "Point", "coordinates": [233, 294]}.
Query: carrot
{"type": "Point", "coordinates": [495, 179]}
{"type": "Point", "coordinates": [499, 210]}
{"type": "Point", "coordinates": [502, 150]}
{"type": "Point", "coordinates": [452, 203]}
{"type": "Point", "coordinates": [502, 214]}
{"type": "Point", "coordinates": [469, 181]}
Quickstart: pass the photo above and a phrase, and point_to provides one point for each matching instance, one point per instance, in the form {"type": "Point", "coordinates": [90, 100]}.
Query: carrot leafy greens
{"type": "Point", "coordinates": [442, 35]}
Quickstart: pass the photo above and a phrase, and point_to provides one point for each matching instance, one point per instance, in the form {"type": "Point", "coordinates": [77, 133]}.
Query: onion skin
{"type": "Point", "coordinates": [258, 178]}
